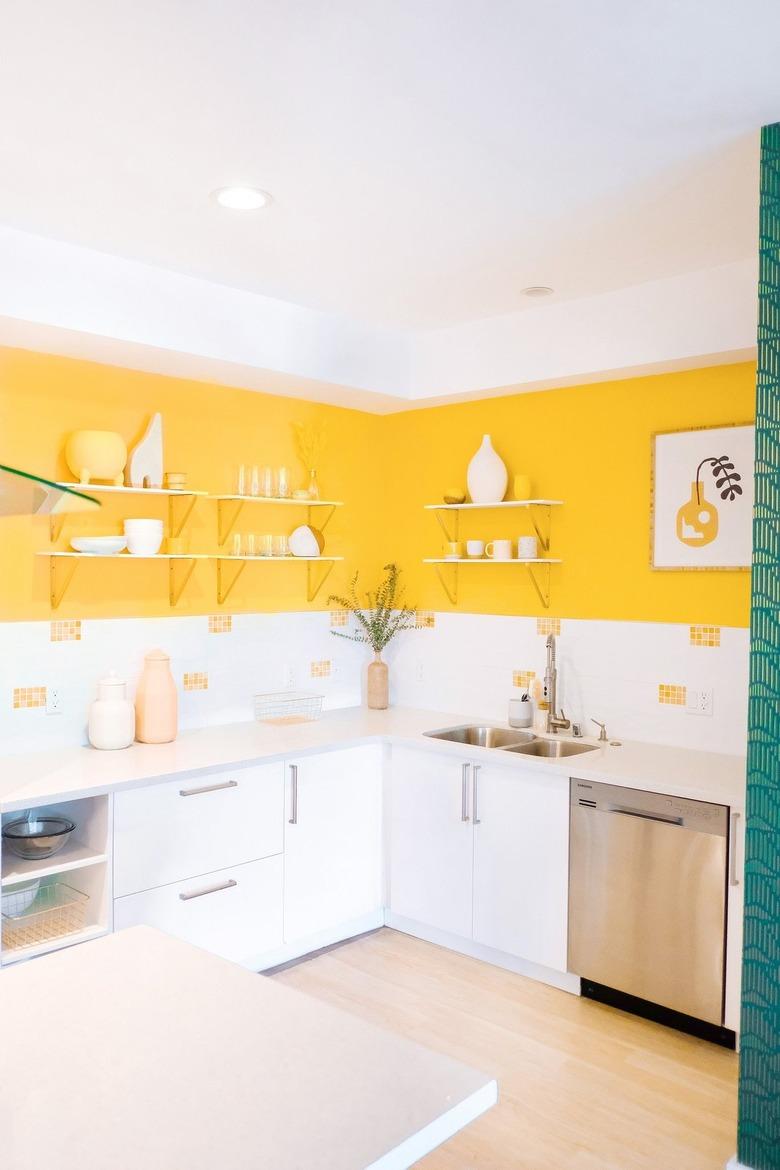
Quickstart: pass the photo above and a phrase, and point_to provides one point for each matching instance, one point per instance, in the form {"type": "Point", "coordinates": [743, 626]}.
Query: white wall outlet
{"type": "Point", "coordinates": [419, 671]}
{"type": "Point", "coordinates": [699, 700]}
{"type": "Point", "coordinates": [53, 701]}
{"type": "Point", "coordinates": [288, 677]}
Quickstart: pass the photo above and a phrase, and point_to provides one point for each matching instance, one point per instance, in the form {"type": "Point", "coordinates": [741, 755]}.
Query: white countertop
{"type": "Point", "coordinates": [43, 777]}
{"type": "Point", "coordinates": [139, 1052]}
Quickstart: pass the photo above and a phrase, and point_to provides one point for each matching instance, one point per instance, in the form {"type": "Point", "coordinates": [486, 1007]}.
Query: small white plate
{"type": "Point", "coordinates": [99, 546]}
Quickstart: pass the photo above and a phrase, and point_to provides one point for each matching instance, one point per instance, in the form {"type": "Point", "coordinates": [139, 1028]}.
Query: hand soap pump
{"type": "Point", "coordinates": [521, 711]}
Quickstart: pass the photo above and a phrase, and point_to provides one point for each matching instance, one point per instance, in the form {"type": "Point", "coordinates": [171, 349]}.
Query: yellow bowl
{"type": "Point", "coordinates": [96, 455]}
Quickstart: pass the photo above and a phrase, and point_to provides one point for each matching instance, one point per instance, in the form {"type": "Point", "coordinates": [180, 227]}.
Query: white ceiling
{"type": "Point", "coordinates": [427, 158]}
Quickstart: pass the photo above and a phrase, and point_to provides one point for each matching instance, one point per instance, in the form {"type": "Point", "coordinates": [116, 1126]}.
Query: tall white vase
{"type": "Point", "coordinates": [487, 475]}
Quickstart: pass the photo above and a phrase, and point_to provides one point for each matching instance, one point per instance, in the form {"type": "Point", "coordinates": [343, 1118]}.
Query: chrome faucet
{"type": "Point", "coordinates": [555, 722]}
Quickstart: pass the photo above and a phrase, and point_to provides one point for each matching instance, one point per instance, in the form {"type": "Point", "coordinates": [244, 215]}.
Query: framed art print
{"type": "Point", "coordinates": [702, 498]}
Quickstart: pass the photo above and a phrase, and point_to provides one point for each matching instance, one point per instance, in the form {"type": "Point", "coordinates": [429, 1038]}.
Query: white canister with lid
{"type": "Point", "coordinates": [112, 715]}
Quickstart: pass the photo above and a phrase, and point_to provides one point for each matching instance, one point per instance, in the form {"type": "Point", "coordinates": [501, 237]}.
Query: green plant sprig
{"type": "Point", "coordinates": [384, 615]}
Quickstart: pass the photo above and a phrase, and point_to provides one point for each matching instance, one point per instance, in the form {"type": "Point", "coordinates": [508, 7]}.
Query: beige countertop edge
{"type": "Point", "coordinates": [69, 773]}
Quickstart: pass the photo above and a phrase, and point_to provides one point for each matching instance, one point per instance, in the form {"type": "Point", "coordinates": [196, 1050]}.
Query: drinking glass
{"type": "Point", "coordinates": [236, 544]}
{"type": "Point", "coordinates": [249, 544]}
{"type": "Point", "coordinates": [254, 483]}
{"type": "Point", "coordinates": [241, 480]}
{"type": "Point", "coordinates": [267, 481]}
{"type": "Point", "coordinates": [265, 545]}
{"type": "Point", "coordinates": [282, 483]}
{"type": "Point", "coordinates": [281, 546]}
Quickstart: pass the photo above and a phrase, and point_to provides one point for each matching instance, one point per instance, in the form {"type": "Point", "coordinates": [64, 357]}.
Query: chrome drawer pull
{"type": "Point", "coordinates": [293, 820]}
{"type": "Point", "coordinates": [208, 788]}
{"type": "Point", "coordinates": [475, 771]}
{"type": "Point", "coordinates": [228, 885]}
{"type": "Point", "coordinates": [464, 792]}
{"type": "Point", "coordinates": [733, 878]}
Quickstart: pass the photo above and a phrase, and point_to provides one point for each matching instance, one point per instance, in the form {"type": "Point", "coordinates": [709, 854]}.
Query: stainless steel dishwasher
{"type": "Point", "coordinates": [647, 897]}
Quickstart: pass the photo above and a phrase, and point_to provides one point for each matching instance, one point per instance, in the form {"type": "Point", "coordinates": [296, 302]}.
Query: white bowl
{"type": "Point", "coordinates": [100, 546]}
{"type": "Point", "coordinates": [144, 544]}
{"type": "Point", "coordinates": [143, 525]}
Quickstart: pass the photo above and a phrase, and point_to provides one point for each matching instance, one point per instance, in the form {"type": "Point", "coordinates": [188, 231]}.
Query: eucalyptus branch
{"type": "Point", "coordinates": [384, 615]}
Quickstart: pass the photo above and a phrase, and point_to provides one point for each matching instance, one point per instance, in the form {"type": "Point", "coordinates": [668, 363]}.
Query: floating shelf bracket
{"type": "Point", "coordinates": [541, 518]}
{"type": "Point", "coordinates": [56, 522]}
{"type": "Point", "coordinates": [60, 577]}
{"type": "Point", "coordinates": [540, 579]}
{"type": "Point", "coordinates": [313, 585]}
{"type": "Point", "coordinates": [179, 572]}
{"type": "Point", "coordinates": [321, 524]}
{"type": "Point", "coordinates": [228, 512]}
{"type": "Point", "coordinates": [444, 523]}
{"type": "Point", "coordinates": [450, 587]}
{"type": "Point", "coordinates": [227, 579]}
{"type": "Point", "coordinates": [176, 523]}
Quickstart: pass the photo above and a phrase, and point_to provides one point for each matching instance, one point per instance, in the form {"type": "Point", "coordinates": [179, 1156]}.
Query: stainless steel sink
{"type": "Point", "coordinates": [481, 735]}
{"type": "Point", "coordinates": [551, 749]}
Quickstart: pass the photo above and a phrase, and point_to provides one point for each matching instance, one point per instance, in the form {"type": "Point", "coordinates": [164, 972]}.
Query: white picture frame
{"type": "Point", "coordinates": [702, 498]}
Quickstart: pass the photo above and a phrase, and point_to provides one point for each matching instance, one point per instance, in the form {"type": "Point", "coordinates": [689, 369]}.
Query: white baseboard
{"type": "Point", "coordinates": [464, 946]}
{"type": "Point", "coordinates": [315, 942]}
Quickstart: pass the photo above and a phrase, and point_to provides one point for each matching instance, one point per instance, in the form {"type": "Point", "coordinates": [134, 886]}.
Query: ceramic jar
{"type": "Point", "coordinates": [377, 694]}
{"type": "Point", "coordinates": [487, 475]}
{"type": "Point", "coordinates": [96, 455]}
{"type": "Point", "coordinates": [156, 701]}
{"type": "Point", "coordinates": [112, 716]}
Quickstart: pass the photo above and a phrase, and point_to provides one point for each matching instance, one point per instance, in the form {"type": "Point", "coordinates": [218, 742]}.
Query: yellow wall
{"type": "Point", "coordinates": [589, 446]}
{"type": "Point", "coordinates": [586, 445]}
{"type": "Point", "coordinates": [208, 431]}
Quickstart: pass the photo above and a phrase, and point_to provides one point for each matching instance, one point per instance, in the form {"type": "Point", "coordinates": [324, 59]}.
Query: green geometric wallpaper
{"type": "Point", "coordinates": [759, 1081]}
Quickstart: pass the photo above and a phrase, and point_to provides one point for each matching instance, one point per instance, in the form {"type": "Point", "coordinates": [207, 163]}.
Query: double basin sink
{"type": "Point", "coordinates": [508, 739]}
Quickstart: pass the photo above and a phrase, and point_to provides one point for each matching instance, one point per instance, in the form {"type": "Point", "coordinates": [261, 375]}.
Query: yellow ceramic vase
{"type": "Point", "coordinates": [96, 455]}
{"type": "Point", "coordinates": [697, 519]}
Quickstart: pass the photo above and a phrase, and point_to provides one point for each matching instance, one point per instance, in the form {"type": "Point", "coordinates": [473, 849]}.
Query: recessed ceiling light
{"type": "Point", "coordinates": [242, 198]}
{"type": "Point", "coordinates": [538, 290]}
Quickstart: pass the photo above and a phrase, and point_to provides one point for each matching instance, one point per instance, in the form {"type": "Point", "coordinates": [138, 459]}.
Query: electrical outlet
{"type": "Point", "coordinates": [53, 701]}
{"type": "Point", "coordinates": [419, 671]}
{"type": "Point", "coordinates": [288, 677]}
{"type": "Point", "coordinates": [699, 700]}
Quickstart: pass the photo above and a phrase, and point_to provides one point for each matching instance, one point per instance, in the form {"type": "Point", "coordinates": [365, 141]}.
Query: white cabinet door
{"type": "Point", "coordinates": [431, 853]}
{"type": "Point", "coordinates": [194, 825]}
{"type": "Point", "coordinates": [521, 863]}
{"type": "Point", "coordinates": [236, 913]}
{"type": "Point", "coordinates": [332, 840]}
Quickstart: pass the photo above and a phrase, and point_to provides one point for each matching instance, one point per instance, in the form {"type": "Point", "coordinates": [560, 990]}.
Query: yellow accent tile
{"type": "Point", "coordinates": [339, 617]}
{"type": "Point", "coordinates": [674, 695]}
{"type": "Point", "coordinates": [548, 625]}
{"type": "Point", "coordinates": [705, 635]}
{"type": "Point", "coordinates": [29, 697]}
{"type": "Point", "coordinates": [424, 619]}
{"type": "Point", "coordinates": [320, 669]}
{"type": "Point", "coordinates": [65, 631]}
{"type": "Point", "coordinates": [196, 680]}
{"type": "Point", "coordinates": [523, 678]}
{"type": "Point", "coordinates": [220, 623]}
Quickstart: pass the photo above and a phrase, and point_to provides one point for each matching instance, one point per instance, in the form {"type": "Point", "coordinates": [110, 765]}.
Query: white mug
{"type": "Point", "coordinates": [527, 549]}
{"type": "Point", "coordinates": [475, 548]}
{"type": "Point", "coordinates": [499, 550]}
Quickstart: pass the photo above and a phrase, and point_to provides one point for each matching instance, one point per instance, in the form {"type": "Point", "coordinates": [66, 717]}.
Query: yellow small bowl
{"type": "Point", "coordinates": [454, 496]}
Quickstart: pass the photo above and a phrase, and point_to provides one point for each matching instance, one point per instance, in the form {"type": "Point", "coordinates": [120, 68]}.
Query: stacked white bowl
{"type": "Point", "coordinates": [144, 537]}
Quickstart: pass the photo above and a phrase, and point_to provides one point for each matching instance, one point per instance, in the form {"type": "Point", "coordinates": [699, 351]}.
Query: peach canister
{"type": "Point", "coordinates": [156, 701]}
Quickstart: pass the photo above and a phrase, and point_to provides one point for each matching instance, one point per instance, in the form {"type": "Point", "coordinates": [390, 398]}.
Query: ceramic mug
{"type": "Point", "coordinates": [475, 548]}
{"type": "Point", "coordinates": [454, 550]}
{"type": "Point", "coordinates": [499, 550]}
{"type": "Point", "coordinates": [527, 548]}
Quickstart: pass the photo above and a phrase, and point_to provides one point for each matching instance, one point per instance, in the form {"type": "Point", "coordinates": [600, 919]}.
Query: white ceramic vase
{"type": "Point", "coordinates": [487, 475]}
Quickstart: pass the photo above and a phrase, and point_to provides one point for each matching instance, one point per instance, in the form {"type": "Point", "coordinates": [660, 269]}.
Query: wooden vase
{"type": "Point", "coordinates": [377, 691]}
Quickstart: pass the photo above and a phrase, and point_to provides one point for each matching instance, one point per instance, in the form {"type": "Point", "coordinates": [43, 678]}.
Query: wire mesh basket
{"type": "Point", "coordinates": [57, 910]}
{"type": "Point", "coordinates": [288, 707]}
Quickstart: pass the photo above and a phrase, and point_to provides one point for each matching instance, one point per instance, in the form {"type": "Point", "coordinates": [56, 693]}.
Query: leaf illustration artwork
{"type": "Point", "coordinates": [727, 480]}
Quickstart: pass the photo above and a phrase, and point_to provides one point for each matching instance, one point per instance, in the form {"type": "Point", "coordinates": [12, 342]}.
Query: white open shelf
{"type": "Point", "coordinates": [500, 504]}
{"type": "Point", "coordinates": [95, 489]}
{"type": "Point", "coordinates": [492, 561]}
{"type": "Point", "coordinates": [124, 556]}
{"type": "Point", "coordinates": [290, 560]}
{"type": "Point", "coordinates": [54, 944]}
{"type": "Point", "coordinates": [72, 856]}
{"type": "Point", "coordinates": [300, 501]}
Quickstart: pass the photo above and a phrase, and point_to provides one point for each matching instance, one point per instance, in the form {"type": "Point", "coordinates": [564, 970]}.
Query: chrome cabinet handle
{"type": "Point", "coordinates": [208, 788]}
{"type": "Point", "coordinates": [464, 792]}
{"type": "Point", "coordinates": [228, 885]}
{"type": "Point", "coordinates": [475, 771]}
{"type": "Point", "coordinates": [733, 879]}
{"type": "Point", "coordinates": [293, 820]}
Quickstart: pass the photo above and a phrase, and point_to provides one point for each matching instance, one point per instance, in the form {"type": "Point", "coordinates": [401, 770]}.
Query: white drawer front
{"type": "Point", "coordinates": [235, 913]}
{"type": "Point", "coordinates": [191, 826]}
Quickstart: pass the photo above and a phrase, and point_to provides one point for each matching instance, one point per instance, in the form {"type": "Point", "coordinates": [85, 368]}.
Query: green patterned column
{"type": "Point", "coordinates": [759, 1082]}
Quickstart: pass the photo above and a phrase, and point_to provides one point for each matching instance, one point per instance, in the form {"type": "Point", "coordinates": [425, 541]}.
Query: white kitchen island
{"type": "Point", "coordinates": [140, 1052]}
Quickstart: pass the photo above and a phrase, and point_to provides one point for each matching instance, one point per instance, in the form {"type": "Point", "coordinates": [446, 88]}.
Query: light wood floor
{"type": "Point", "coordinates": [581, 1086]}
